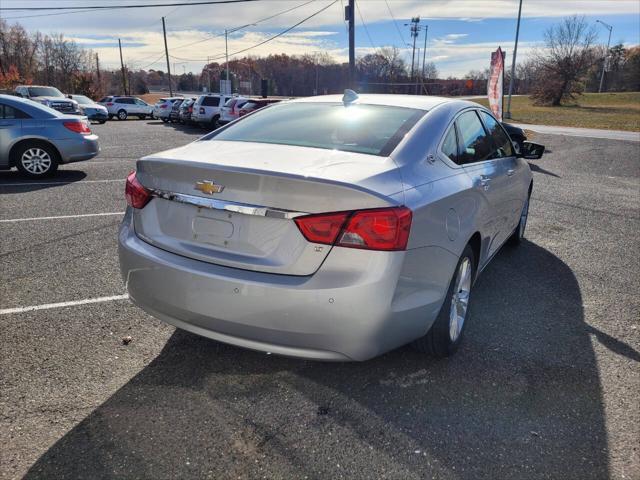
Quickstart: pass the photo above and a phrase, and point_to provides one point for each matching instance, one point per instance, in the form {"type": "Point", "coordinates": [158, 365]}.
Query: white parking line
{"type": "Point", "coordinates": [84, 215]}
{"type": "Point", "coordinates": [46, 306]}
{"type": "Point", "coordinates": [30, 184]}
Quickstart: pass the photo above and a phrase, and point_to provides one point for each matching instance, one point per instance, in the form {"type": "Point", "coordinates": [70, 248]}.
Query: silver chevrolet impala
{"type": "Point", "coordinates": [329, 228]}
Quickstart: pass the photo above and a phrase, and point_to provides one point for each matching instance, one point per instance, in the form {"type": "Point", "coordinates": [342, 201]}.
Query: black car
{"type": "Point", "coordinates": [516, 134]}
{"type": "Point", "coordinates": [186, 108]}
{"type": "Point", "coordinates": [174, 115]}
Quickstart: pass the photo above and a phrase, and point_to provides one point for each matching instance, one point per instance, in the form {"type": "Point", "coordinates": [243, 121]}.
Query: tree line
{"type": "Point", "coordinates": [568, 64]}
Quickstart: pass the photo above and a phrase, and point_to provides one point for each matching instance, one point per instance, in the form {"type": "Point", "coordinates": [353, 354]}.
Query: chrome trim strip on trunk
{"type": "Point", "coordinates": [229, 206]}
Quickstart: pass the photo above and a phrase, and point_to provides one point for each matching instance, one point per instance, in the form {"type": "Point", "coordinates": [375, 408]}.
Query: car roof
{"type": "Point", "coordinates": [421, 102]}
{"type": "Point", "coordinates": [30, 107]}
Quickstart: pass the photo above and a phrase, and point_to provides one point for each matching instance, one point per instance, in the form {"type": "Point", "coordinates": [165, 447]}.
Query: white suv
{"type": "Point", "coordinates": [206, 109]}
{"type": "Point", "coordinates": [162, 108]}
{"type": "Point", "coordinates": [122, 107]}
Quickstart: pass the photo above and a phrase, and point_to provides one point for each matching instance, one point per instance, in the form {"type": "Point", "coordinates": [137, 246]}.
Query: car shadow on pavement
{"type": "Point", "coordinates": [521, 399]}
{"type": "Point", "coordinates": [13, 182]}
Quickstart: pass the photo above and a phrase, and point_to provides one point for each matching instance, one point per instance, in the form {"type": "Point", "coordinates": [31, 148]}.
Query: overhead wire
{"type": "Point", "coordinates": [279, 34]}
{"type": "Point", "coordinates": [122, 7]}
{"type": "Point", "coordinates": [395, 22]}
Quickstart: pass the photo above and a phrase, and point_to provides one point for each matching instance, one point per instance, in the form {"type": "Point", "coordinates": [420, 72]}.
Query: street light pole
{"type": "Point", "coordinates": [513, 64]}
{"type": "Point", "coordinates": [226, 53]}
{"type": "Point", "coordinates": [604, 60]}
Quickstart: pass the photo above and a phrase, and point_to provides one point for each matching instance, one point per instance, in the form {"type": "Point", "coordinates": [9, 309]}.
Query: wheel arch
{"type": "Point", "coordinates": [32, 140]}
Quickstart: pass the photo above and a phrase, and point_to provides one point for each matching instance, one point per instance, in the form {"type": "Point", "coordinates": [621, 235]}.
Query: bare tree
{"type": "Point", "coordinates": [564, 62]}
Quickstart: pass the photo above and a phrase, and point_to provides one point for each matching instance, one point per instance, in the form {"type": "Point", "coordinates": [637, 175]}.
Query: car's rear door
{"type": "Point", "coordinates": [514, 182]}
{"type": "Point", "coordinates": [476, 149]}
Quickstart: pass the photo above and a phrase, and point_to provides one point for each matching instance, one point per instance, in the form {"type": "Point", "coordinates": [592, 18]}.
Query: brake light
{"type": "Point", "coordinates": [109, 104]}
{"type": "Point", "coordinates": [375, 229]}
{"type": "Point", "coordinates": [78, 127]}
{"type": "Point", "coordinates": [137, 195]}
{"type": "Point", "coordinates": [164, 105]}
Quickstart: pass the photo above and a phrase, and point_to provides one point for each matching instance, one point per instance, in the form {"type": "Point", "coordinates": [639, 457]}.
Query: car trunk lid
{"type": "Point", "coordinates": [249, 223]}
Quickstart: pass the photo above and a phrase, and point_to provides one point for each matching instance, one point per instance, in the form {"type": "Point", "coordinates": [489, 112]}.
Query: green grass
{"type": "Point", "coordinates": [610, 111]}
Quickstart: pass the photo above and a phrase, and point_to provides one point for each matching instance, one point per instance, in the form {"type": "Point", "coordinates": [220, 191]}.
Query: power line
{"type": "Point", "coordinates": [366, 30]}
{"type": "Point", "coordinates": [264, 41]}
{"type": "Point", "coordinates": [243, 26]}
{"type": "Point", "coordinates": [139, 5]}
{"type": "Point", "coordinates": [395, 23]}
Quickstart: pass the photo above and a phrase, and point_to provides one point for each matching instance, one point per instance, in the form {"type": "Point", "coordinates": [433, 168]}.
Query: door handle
{"type": "Point", "coordinates": [510, 172]}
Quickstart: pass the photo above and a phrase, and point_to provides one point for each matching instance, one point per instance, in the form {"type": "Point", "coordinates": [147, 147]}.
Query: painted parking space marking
{"type": "Point", "coordinates": [59, 217]}
{"type": "Point", "coordinates": [74, 303]}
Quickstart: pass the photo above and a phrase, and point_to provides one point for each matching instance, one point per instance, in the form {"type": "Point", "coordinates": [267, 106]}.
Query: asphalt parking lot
{"type": "Point", "coordinates": [545, 385]}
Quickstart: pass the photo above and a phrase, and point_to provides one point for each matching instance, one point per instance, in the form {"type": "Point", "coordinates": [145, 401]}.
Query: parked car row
{"type": "Point", "coordinates": [209, 110]}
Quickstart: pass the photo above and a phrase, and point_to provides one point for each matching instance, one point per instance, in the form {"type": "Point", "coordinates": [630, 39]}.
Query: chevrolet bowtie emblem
{"type": "Point", "coordinates": [208, 187]}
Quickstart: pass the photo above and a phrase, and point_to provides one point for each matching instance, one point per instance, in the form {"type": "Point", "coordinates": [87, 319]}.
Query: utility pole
{"type": "Point", "coordinates": [604, 60]}
{"type": "Point", "coordinates": [166, 52]}
{"type": "Point", "coordinates": [415, 31]}
{"type": "Point", "coordinates": [98, 69]}
{"type": "Point", "coordinates": [350, 16]}
{"type": "Point", "coordinates": [424, 50]}
{"type": "Point", "coordinates": [124, 78]}
{"type": "Point", "coordinates": [226, 54]}
{"type": "Point", "coordinates": [513, 64]}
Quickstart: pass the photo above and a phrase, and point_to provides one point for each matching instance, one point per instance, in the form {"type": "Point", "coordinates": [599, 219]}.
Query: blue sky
{"type": "Point", "coordinates": [462, 33]}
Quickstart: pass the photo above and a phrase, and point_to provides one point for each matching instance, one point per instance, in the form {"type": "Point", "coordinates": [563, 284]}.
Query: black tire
{"type": "Point", "coordinates": [438, 342]}
{"type": "Point", "coordinates": [23, 158]}
{"type": "Point", "coordinates": [101, 122]}
{"type": "Point", "coordinates": [214, 121]}
{"type": "Point", "coordinates": [122, 114]}
{"type": "Point", "coordinates": [110, 117]}
{"type": "Point", "coordinates": [142, 117]}
{"type": "Point", "coordinates": [517, 236]}
{"type": "Point", "coordinates": [164, 119]}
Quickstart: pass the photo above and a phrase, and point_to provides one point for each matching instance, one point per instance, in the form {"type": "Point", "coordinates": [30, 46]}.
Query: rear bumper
{"type": "Point", "coordinates": [78, 149]}
{"type": "Point", "coordinates": [354, 307]}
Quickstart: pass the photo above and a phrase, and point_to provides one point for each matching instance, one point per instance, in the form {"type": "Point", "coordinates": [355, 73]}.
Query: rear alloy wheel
{"type": "Point", "coordinates": [122, 114]}
{"type": "Point", "coordinates": [214, 121]}
{"type": "Point", "coordinates": [446, 332]}
{"type": "Point", "coordinates": [518, 235]}
{"type": "Point", "coordinates": [36, 160]}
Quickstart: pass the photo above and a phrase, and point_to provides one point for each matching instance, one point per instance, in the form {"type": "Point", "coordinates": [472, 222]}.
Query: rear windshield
{"type": "Point", "coordinates": [210, 101]}
{"type": "Point", "coordinates": [371, 129]}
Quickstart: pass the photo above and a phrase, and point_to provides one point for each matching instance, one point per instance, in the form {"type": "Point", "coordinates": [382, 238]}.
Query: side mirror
{"type": "Point", "coordinates": [531, 151]}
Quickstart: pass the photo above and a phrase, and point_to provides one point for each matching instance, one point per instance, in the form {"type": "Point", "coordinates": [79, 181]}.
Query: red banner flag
{"type": "Point", "coordinates": [495, 83]}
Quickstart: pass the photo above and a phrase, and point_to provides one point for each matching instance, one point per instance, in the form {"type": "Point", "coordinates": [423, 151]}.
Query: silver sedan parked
{"type": "Point", "coordinates": [327, 228]}
{"type": "Point", "coordinates": [36, 139]}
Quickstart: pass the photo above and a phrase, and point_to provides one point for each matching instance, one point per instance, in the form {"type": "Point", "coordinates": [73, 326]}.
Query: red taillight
{"type": "Point", "coordinates": [78, 127]}
{"type": "Point", "coordinates": [137, 195]}
{"type": "Point", "coordinates": [376, 229]}
{"type": "Point", "coordinates": [109, 104]}
{"type": "Point", "coordinates": [164, 105]}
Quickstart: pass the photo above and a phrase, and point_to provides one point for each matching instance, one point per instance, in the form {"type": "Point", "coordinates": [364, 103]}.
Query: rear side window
{"type": "Point", "coordinates": [450, 144]}
{"type": "Point", "coordinates": [126, 101]}
{"type": "Point", "coordinates": [210, 101]}
{"type": "Point", "coordinates": [230, 103]}
{"type": "Point", "coordinates": [8, 112]}
{"type": "Point", "coordinates": [501, 142]}
{"type": "Point", "coordinates": [104, 100]}
{"type": "Point", "coordinates": [370, 129]}
{"type": "Point", "coordinates": [475, 144]}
